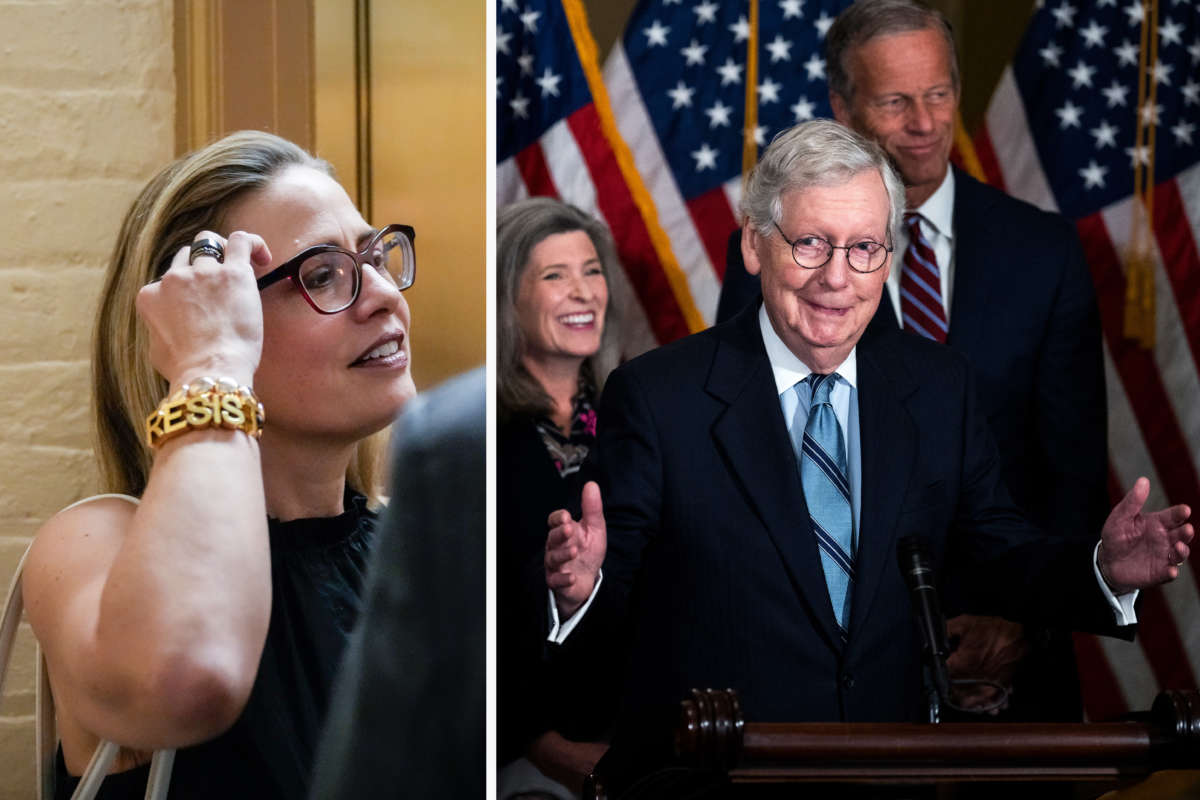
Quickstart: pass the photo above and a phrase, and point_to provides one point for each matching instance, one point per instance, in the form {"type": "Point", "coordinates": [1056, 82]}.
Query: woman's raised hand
{"type": "Point", "coordinates": [205, 316]}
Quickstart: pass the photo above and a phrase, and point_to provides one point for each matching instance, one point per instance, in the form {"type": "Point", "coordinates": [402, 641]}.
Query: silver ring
{"type": "Point", "coordinates": [206, 247]}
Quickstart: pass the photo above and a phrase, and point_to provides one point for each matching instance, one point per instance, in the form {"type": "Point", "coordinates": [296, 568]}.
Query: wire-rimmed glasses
{"type": "Point", "coordinates": [330, 277]}
{"type": "Point", "coordinates": [810, 251]}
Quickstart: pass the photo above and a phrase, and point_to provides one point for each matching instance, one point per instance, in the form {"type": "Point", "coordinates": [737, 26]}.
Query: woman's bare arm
{"type": "Point", "coordinates": [153, 617]}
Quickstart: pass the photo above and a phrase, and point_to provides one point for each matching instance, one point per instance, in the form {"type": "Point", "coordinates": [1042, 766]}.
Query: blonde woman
{"type": "Point", "coordinates": [204, 603]}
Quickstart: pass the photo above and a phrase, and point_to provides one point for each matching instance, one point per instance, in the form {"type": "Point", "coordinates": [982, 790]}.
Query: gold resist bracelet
{"type": "Point", "coordinates": [206, 403]}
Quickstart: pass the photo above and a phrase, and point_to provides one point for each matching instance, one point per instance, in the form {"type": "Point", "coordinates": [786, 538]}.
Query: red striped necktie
{"type": "Point", "coordinates": [921, 305]}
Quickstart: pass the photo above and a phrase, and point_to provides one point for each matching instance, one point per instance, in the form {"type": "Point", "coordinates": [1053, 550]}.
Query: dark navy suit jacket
{"type": "Point", "coordinates": [712, 558]}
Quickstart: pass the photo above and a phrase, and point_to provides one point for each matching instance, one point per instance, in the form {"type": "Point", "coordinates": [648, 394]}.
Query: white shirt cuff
{"type": "Point", "coordinates": [559, 631]}
{"type": "Point", "coordinates": [1122, 605]}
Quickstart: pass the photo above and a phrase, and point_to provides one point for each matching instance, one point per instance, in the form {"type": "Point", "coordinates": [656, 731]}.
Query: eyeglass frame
{"type": "Point", "coordinates": [832, 247]}
{"type": "Point", "coordinates": [291, 267]}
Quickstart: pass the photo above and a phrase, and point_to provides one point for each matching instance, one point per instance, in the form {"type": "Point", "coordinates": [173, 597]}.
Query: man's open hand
{"type": "Point", "coordinates": [575, 552]}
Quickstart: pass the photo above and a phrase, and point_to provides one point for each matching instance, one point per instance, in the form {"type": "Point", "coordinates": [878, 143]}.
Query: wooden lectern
{"type": "Point", "coordinates": [720, 755]}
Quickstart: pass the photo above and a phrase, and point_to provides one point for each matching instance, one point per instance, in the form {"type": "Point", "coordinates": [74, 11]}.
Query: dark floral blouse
{"type": "Point", "coordinates": [569, 452]}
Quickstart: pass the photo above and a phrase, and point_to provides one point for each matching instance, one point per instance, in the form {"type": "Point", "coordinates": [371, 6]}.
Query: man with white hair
{"type": "Point", "coordinates": [759, 475]}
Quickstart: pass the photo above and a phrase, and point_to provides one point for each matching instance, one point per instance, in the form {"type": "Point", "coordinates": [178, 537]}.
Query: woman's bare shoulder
{"type": "Point", "coordinates": [99, 516]}
{"type": "Point", "coordinates": [87, 515]}
{"type": "Point", "coordinates": [106, 499]}
{"type": "Point", "coordinates": [79, 541]}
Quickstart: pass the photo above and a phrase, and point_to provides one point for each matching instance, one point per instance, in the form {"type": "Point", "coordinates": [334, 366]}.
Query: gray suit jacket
{"type": "Point", "coordinates": [407, 716]}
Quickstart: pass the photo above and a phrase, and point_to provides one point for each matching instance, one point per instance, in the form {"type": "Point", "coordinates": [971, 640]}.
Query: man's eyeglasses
{"type": "Point", "coordinates": [813, 252]}
{"type": "Point", "coordinates": [330, 277]}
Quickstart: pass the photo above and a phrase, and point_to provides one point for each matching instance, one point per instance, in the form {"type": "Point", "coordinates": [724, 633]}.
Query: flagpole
{"type": "Point", "coordinates": [749, 146]}
{"type": "Point", "coordinates": [1139, 277]}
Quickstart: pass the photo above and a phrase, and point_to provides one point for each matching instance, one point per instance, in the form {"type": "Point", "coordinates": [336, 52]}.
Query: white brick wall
{"type": "Point", "coordinates": [87, 103]}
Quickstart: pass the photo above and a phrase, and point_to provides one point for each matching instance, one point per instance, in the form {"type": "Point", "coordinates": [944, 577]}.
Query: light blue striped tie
{"type": "Point", "coordinates": [822, 454]}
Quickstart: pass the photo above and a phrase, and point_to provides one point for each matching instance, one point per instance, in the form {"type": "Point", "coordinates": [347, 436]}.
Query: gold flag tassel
{"type": "Point", "coordinates": [1139, 256]}
{"type": "Point", "coordinates": [749, 145]}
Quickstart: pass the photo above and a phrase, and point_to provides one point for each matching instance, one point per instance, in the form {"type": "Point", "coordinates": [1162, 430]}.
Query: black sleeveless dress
{"type": "Point", "coordinates": [317, 572]}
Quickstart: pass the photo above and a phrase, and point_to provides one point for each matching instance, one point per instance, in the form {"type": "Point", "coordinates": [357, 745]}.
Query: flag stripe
{"type": "Point", "coordinates": [1173, 230]}
{"type": "Point", "coordinates": [1136, 367]}
{"type": "Point", "coordinates": [1174, 368]}
{"type": "Point", "coordinates": [1129, 457]}
{"type": "Point", "coordinates": [570, 176]}
{"type": "Point", "coordinates": [715, 220]}
{"type": "Point", "coordinates": [1161, 642]}
{"type": "Point", "coordinates": [1182, 599]}
{"type": "Point", "coordinates": [1175, 364]}
{"type": "Point", "coordinates": [1128, 661]}
{"type": "Point", "coordinates": [1102, 694]}
{"type": "Point", "coordinates": [1013, 146]}
{"type": "Point", "coordinates": [1189, 188]}
{"type": "Point", "coordinates": [733, 196]}
{"type": "Point", "coordinates": [568, 165]}
{"type": "Point", "coordinates": [987, 159]}
{"type": "Point", "coordinates": [635, 126]}
{"type": "Point", "coordinates": [616, 205]}
{"type": "Point", "coordinates": [535, 172]}
{"type": "Point", "coordinates": [510, 187]}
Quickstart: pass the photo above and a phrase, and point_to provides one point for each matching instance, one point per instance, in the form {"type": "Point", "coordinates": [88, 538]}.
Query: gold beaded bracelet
{"type": "Point", "coordinates": [206, 403]}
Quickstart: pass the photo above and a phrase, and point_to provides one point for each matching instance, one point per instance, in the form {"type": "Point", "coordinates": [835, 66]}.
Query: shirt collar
{"type": "Point", "coordinates": [938, 210]}
{"type": "Point", "coordinates": [787, 368]}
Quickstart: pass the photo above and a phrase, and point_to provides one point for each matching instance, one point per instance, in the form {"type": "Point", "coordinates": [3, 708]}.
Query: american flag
{"type": "Point", "coordinates": [678, 81]}
{"type": "Point", "coordinates": [1066, 128]}
{"type": "Point", "coordinates": [555, 136]}
{"type": "Point", "coordinates": [661, 161]}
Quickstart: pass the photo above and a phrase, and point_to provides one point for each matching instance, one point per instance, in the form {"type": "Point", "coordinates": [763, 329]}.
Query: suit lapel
{"type": "Point", "coordinates": [753, 437]}
{"type": "Point", "coordinates": [887, 440]}
{"type": "Point", "coordinates": [885, 318]}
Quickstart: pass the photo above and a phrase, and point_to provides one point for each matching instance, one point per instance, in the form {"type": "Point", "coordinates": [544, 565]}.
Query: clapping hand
{"type": "Point", "coordinates": [574, 552]}
{"type": "Point", "coordinates": [1142, 549]}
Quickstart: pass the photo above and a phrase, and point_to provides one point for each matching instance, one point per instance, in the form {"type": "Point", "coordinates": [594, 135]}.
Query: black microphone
{"type": "Point", "coordinates": [914, 566]}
